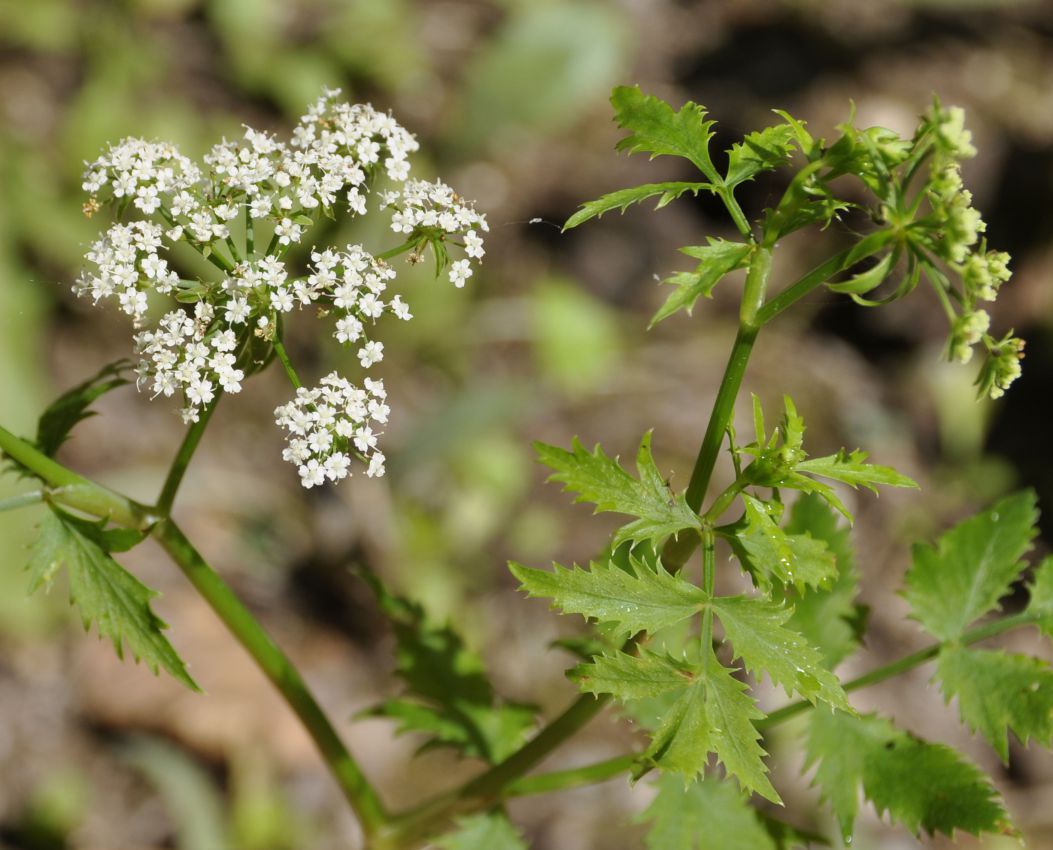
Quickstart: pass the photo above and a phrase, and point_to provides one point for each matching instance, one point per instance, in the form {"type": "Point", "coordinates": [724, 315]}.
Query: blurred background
{"type": "Point", "coordinates": [509, 100]}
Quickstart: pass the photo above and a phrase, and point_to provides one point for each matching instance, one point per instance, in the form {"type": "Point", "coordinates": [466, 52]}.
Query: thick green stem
{"type": "Point", "coordinates": [182, 459]}
{"type": "Point", "coordinates": [277, 667]}
{"type": "Point", "coordinates": [708, 578]}
{"type": "Point", "coordinates": [908, 662]}
{"type": "Point", "coordinates": [68, 488]}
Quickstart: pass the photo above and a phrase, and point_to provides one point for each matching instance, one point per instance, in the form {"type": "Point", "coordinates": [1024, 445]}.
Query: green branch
{"type": "Point", "coordinates": [182, 459]}
{"type": "Point", "coordinates": [279, 669]}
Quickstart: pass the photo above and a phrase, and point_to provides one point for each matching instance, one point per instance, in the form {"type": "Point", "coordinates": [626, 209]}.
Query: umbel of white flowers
{"type": "Point", "coordinates": [269, 193]}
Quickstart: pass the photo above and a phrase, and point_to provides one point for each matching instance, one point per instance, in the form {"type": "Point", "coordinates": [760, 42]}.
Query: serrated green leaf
{"type": "Point", "coordinates": [762, 150]}
{"type": "Point", "coordinates": [488, 831]}
{"type": "Point", "coordinates": [719, 258]}
{"type": "Point", "coordinates": [758, 635]}
{"type": "Point", "coordinates": [624, 198]}
{"type": "Point", "coordinates": [104, 592]}
{"type": "Point", "coordinates": [632, 677]}
{"type": "Point", "coordinates": [60, 417]}
{"type": "Point", "coordinates": [640, 599]}
{"type": "Point", "coordinates": [713, 714]}
{"type": "Point", "coordinates": [601, 480]}
{"type": "Point", "coordinates": [924, 786]}
{"type": "Point", "coordinates": [656, 129]}
{"type": "Point", "coordinates": [971, 566]}
{"type": "Point", "coordinates": [997, 692]}
{"type": "Point", "coordinates": [449, 697]}
{"type": "Point", "coordinates": [1041, 590]}
{"type": "Point", "coordinates": [849, 468]}
{"type": "Point", "coordinates": [768, 552]}
{"type": "Point", "coordinates": [704, 815]}
{"type": "Point", "coordinates": [827, 617]}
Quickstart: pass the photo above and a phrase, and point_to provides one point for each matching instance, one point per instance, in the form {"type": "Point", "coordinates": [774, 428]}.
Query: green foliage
{"type": "Point", "coordinates": [828, 618]}
{"type": "Point", "coordinates": [703, 815]}
{"type": "Point", "coordinates": [763, 150]}
{"type": "Point", "coordinates": [449, 697]}
{"type": "Point", "coordinates": [656, 129]}
{"type": "Point", "coordinates": [1041, 604]}
{"type": "Point", "coordinates": [104, 592]}
{"type": "Point", "coordinates": [599, 479]}
{"type": "Point", "coordinates": [712, 713]}
{"type": "Point", "coordinates": [970, 568]}
{"type": "Point", "coordinates": [489, 831]}
{"type": "Point", "coordinates": [924, 786]}
{"type": "Point", "coordinates": [625, 198]}
{"type": "Point", "coordinates": [998, 691]}
{"type": "Point", "coordinates": [637, 599]}
{"type": "Point", "coordinates": [717, 259]}
{"type": "Point", "coordinates": [758, 635]}
{"type": "Point", "coordinates": [780, 461]}
{"type": "Point", "coordinates": [771, 554]}
{"type": "Point", "coordinates": [71, 407]}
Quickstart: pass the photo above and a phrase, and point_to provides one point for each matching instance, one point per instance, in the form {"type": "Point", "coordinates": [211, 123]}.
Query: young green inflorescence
{"type": "Point", "coordinates": [259, 188]}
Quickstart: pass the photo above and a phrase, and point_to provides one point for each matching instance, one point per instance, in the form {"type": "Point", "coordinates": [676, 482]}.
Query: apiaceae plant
{"type": "Point", "coordinates": [678, 657]}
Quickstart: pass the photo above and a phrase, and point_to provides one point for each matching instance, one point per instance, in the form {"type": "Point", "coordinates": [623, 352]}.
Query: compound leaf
{"type": "Point", "coordinates": [971, 566]}
{"type": "Point", "coordinates": [762, 150]}
{"type": "Point", "coordinates": [717, 259]}
{"type": "Point", "coordinates": [924, 786]}
{"type": "Point", "coordinates": [449, 696]}
{"type": "Point", "coordinates": [624, 198]}
{"type": "Point", "coordinates": [633, 600]}
{"type": "Point", "coordinates": [703, 815]}
{"type": "Point", "coordinates": [104, 592]}
{"type": "Point", "coordinates": [997, 692]}
{"type": "Point", "coordinates": [713, 714]}
{"type": "Point", "coordinates": [656, 129]}
{"type": "Point", "coordinates": [758, 634]}
{"type": "Point", "coordinates": [487, 831]}
{"type": "Point", "coordinates": [601, 480]}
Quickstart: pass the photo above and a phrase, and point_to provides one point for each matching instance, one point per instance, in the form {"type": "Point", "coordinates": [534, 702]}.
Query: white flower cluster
{"type": "Point", "coordinates": [329, 423]}
{"type": "Point", "coordinates": [252, 190]}
{"type": "Point", "coordinates": [188, 354]}
{"type": "Point", "coordinates": [145, 173]}
{"type": "Point", "coordinates": [435, 209]}
{"type": "Point", "coordinates": [127, 266]}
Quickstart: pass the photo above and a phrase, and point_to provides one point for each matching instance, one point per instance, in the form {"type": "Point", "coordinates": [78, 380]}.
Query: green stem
{"type": "Point", "coordinates": [728, 197]}
{"type": "Point", "coordinates": [575, 777]}
{"type": "Point", "coordinates": [73, 490]}
{"type": "Point", "coordinates": [283, 356]}
{"type": "Point", "coordinates": [182, 459]}
{"type": "Point", "coordinates": [483, 791]}
{"type": "Point", "coordinates": [22, 500]}
{"type": "Point", "coordinates": [796, 291]}
{"type": "Point", "coordinates": [250, 235]}
{"type": "Point", "coordinates": [908, 662]}
{"type": "Point", "coordinates": [708, 579]}
{"type": "Point", "coordinates": [279, 669]}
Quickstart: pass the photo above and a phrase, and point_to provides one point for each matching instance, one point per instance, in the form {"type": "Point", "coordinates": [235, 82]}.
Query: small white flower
{"type": "Point", "coordinates": [460, 271]}
{"type": "Point", "coordinates": [369, 354]}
